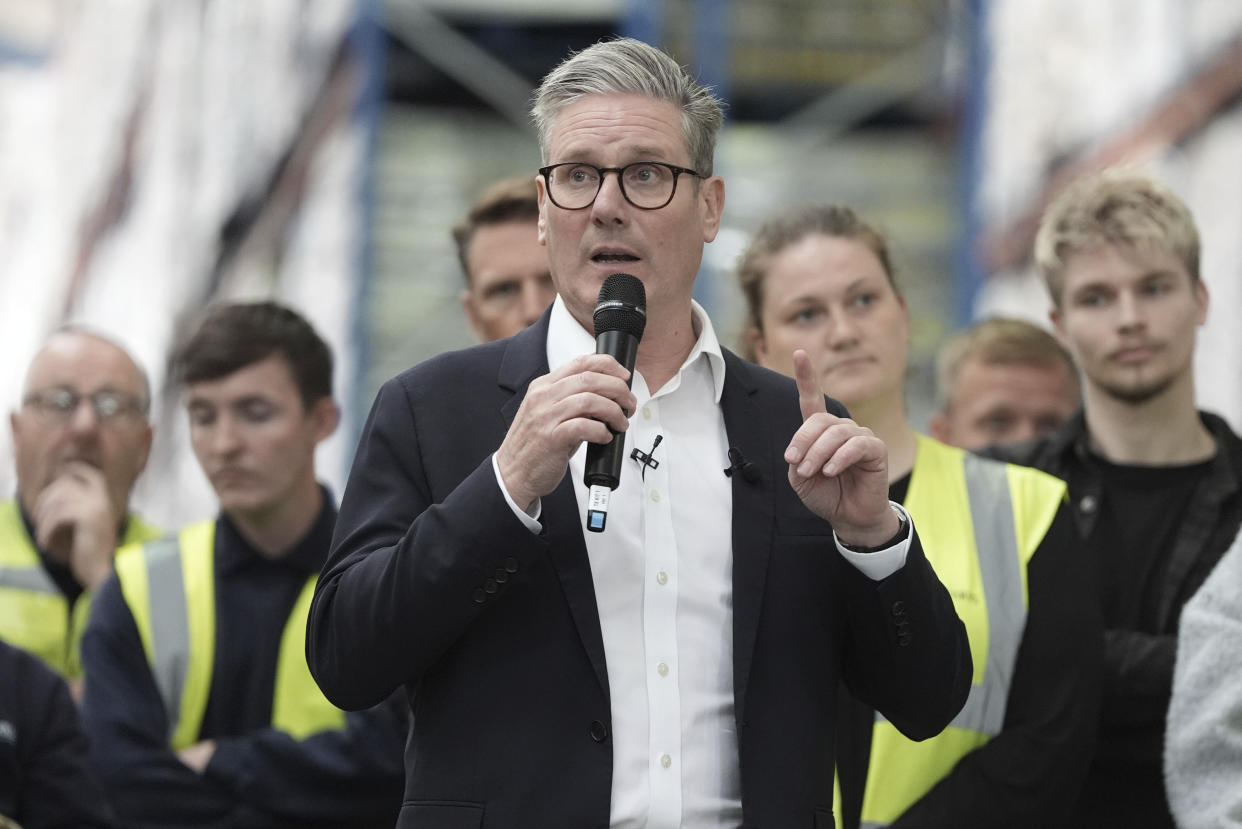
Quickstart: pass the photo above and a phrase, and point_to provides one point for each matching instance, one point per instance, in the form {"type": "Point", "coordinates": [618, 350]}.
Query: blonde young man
{"type": "Point", "coordinates": [508, 284]}
{"type": "Point", "coordinates": [1156, 485]}
{"type": "Point", "coordinates": [681, 667]}
{"type": "Point", "coordinates": [1002, 381]}
{"type": "Point", "coordinates": [81, 438]}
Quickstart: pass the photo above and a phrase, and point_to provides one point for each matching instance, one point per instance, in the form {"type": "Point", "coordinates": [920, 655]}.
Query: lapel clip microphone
{"type": "Point", "coordinates": [739, 464]}
{"type": "Point", "coordinates": [645, 459]}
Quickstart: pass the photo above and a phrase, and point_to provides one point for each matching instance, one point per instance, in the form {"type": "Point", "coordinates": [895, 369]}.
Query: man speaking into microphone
{"type": "Point", "coordinates": [679, 667]}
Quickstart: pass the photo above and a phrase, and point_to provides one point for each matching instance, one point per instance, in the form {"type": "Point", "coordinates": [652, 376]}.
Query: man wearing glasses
{"type": "Point", "coordinates": [81, 437]}
{"type": "Point", "coordinates": [680, 668]}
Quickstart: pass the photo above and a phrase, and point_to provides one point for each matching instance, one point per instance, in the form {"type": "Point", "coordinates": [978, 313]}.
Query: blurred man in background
{"type": "Point", "coordinates": [45, 779]}
{"type": "Point", "coordinates": [199, 703]}
{"type": "Point", "coordinates": [1002, 381]}
{"type": "Point", "coordinates": [1154, 483]}
{"type": "Point", "coordinates": [81, 438]}
{"type": "Point", "coordinates": [508, 282]}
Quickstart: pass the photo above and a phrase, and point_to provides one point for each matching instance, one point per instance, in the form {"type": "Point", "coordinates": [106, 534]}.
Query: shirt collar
{"type": "Point", "coordinates": [306, 556]}
{"type": "Point", "coordinates": [567, 339]}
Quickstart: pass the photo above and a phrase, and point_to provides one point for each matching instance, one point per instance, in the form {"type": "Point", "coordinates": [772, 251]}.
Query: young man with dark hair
{"type": "Point", "coordinates": [200, 706]}
{"type": "Point", "coordinates": [1156, 485]}
{"type": "Point", "coordinates": [508, 282]}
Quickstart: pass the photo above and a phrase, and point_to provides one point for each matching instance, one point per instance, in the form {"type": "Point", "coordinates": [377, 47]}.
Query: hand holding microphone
{"type": "Point", "coordinates": [620, 318]}
{"type": "Point", "coordinates": [587, 398]}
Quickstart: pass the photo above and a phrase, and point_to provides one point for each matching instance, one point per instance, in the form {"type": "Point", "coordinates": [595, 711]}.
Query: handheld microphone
{"type": "Point", "coordinates": [620, 317]}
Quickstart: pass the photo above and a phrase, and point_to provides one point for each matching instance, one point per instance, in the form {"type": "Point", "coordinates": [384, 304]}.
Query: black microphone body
{"type": "Point", "coordinates": [620, 317]}
{"type": "Point", "coordinates": [603, 460]}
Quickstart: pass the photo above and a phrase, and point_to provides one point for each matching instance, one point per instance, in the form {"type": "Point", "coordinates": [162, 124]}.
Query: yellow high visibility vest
{"type": "Point", "coordinates": [169, 586]}
{"type": "Point", "coordinates": [961, 504]}
{"type": "Point", "coordinates": [34, 614]}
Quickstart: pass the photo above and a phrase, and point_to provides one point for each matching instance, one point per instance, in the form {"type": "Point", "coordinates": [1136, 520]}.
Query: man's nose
{"type": "Point", "coordinates": [224, 436]}
{"type": "Point", "coordinates": [610, 203]}
{"type": "Point", "coordinates": [84, 418]}
{"type": "Point", "coordinates": [1131, 313]}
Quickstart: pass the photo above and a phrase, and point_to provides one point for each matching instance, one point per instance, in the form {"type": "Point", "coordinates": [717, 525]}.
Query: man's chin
{"type": "Point", "coordinates": [1137, 394]}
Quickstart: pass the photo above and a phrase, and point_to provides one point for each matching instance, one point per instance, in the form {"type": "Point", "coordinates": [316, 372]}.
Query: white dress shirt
{"type": "Point", "coordinates": [663, 576]}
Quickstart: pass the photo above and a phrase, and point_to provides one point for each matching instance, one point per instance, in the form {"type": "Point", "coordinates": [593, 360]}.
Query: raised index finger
{"type": "Point", "coordinates": [810, 396]}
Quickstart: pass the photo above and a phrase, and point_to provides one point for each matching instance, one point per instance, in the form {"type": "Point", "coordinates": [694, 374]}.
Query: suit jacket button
{"type": "Point", "coordinates": [479, 596]}
{"type": "Point", "coordinates": [511, 564]}
{"type": "Point", "coordinates": [599, 731]}
{"type": "Point", "coordinates": [502, 575]}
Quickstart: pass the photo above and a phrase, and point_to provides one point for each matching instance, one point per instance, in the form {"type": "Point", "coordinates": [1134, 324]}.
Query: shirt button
{"type": "Point", "coordinates": [666, 761]}
{"type": "Point", "coordinates": [1087, 504]}
{"type": "Point", "coordinates": [655, 495]}
{"type": "Point", "coordinates": [661, 577]}
{"type": "Point", "coordinates": [646, 413]}
{"type": "Point", "coordinates": [662, 669]}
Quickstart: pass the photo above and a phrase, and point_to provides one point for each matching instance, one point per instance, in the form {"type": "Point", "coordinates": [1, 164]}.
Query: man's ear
{"type": "Point", "coordinates": [144, 450]}
{"type": "Point", "coordinates": [712, 192]}
{"type": "Point", "coordinates": [1202, 300]}
{"type": "Point", "coordinates": [472, 314]}
{"type": "Point", "coordinates": [326, 416]}
{"type": "Point", "coordinates": [758, 345]}
{"type": "Point", "coordinates": [542, 224]}
{"type": "Point", "coordinates": [1054, 316]}
{"type": "Point", "coordinates": [939, 427]}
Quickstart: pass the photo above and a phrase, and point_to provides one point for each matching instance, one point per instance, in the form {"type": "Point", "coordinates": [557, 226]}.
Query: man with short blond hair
{"type": "Point", "coordinates": [1002, 381]}
{"type": "Point", "coordinates": [1156, 485]}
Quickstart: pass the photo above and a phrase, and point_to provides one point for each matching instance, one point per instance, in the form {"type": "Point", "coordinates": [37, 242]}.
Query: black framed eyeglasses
{"type": "Point", "coordinates": [648, 185]}
{"type": "Point", "coordinates": [60, 403]}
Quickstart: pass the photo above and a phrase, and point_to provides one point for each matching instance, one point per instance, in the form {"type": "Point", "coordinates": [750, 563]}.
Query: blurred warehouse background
{"type": "Point", "coordinates": [158, 156]}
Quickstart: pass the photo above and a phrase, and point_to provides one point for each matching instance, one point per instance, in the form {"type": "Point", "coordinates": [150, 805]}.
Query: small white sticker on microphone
{"type": "Point", "coordinates": [597, 508]}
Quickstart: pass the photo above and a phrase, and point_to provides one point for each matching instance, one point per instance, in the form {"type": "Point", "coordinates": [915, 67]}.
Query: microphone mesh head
{"type": "Point", "coordinates": [622, 305]}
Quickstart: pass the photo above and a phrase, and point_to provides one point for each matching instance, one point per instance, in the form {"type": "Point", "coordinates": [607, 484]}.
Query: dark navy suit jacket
{"type": "Point", "coordinates": [434, 584]}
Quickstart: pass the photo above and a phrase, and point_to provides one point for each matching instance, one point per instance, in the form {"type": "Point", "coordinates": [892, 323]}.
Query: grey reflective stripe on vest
{"type": "Point", "coordinates": [31, 579]}
{"type": "Point", "coordinates": [991, 510]}
{"type": "Point", "coordinates": [170, 626]}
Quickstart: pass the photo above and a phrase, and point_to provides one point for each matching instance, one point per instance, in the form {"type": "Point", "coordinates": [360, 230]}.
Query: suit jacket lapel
{"type": "Point", "coordinates": [753, 505]}
{"type": "Point", "coordinates": [525, 358]}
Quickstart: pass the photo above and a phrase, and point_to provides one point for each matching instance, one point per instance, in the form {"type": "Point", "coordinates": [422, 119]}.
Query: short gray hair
{"type": "Point", "coordinates": [627, 66]}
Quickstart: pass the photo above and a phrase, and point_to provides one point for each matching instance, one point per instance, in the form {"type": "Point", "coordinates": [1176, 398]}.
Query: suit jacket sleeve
{"type": "Point", "coordinates": [417, 547]}
{"type": "Point", "coordinates": [1030, 774]}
